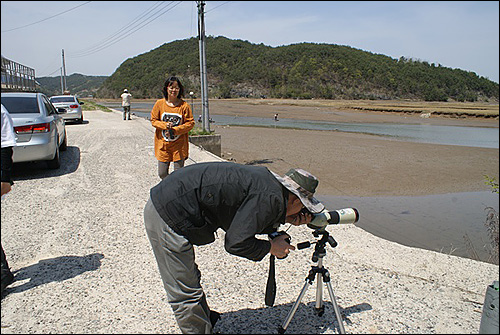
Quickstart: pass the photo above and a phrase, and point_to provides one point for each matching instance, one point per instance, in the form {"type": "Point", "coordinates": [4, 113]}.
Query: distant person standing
{"type": "Point", "coordinates": [173, 119]}
{"type": "Point", "coordinates": [126, 104]}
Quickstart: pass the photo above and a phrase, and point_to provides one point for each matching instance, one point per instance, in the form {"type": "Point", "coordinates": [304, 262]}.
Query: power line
{"type": "Point", "coordinates": [222, 4]}
{"type": "Point", "coordinates": [119, 38]}
{"type": "Point", "coordinates": [99, 44]}
{"type": "Point", "coordinates": [52, 65]}
{"type": "Point", "coordinates": [50, 17]}
{"type": "Point", "coordinates": [59, 69]}
{"type": "Point", "coordinates": [115, 40]}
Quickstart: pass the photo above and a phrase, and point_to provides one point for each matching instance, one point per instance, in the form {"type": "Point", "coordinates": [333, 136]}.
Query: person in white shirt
{"type": "Point", "coordinates": [8, 142]}
{"type": "Point", "coordinates": [126, 96]}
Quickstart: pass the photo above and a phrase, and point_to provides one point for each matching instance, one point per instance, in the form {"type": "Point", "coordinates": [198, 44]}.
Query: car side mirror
{"type": "Point", "coordinates": [82, 103]}
{"type": "Point", "coordinates": [61, 110]}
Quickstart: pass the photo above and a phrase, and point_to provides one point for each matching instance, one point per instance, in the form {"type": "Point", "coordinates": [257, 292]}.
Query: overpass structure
{"type": "Point", "coordinates": [17, 77]}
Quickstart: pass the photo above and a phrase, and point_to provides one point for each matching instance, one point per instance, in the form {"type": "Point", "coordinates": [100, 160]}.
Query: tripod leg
{"type": "Point", "coordinates": [320, 309]}
{"type": "Point", "coordinates": [282, 329]}
{"type": "Point", "coordinates": [335, 307]}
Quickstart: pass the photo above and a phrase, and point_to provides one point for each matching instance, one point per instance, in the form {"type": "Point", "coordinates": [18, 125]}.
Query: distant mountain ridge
{"type": "Point", "coordinates": [78, 84]}
{"type": "Point", "coordinates": [237, 68]}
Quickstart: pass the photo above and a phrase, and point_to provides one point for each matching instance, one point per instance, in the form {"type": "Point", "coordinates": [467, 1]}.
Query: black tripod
{"type": "Point", "coordinates": [317, 271]}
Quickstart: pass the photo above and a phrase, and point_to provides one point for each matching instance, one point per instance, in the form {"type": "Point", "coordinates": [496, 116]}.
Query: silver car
{"type": "Point", "coordinates": [39, 126]}
{"type": "Point", "coordinates": [72, 105]}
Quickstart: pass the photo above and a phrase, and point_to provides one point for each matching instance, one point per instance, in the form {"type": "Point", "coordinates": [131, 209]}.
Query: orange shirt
{"type": "Point", "coordinates": [166, 148]}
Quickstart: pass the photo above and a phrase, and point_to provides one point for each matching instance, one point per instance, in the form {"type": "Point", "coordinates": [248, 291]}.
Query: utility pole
{"type": "Point", "coordinates": [62, 82]}
{"type": "Point", "coordinates": [64, 70]}
{"type": "Point", "coordinates": [203, 66]}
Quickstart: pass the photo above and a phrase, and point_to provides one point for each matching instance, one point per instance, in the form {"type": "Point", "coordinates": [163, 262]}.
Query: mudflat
{"type": "Point", "coordinates": [358, 164]}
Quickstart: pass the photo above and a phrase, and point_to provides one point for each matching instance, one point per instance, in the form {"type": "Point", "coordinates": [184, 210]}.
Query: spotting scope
{"type": "Point", "coordinates": [339, 216]}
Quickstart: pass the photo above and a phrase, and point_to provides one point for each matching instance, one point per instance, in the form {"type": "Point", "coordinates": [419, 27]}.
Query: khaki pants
{"type": "Point", "coordinates": [179, 273]}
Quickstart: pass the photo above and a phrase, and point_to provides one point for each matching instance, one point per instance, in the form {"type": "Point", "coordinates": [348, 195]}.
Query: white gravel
{"type": "Point", "coordinates": [76, 242]}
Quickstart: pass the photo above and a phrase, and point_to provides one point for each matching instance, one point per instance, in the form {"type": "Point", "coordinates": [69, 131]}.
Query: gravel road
{"type": "Point", "coordinates": [76, 242]}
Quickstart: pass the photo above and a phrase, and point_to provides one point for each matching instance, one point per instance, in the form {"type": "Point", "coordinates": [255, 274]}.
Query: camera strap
{"type": "Point", "coordinates": [271, 283]}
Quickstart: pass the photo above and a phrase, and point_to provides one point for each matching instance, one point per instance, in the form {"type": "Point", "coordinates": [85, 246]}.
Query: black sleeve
{"type": "Point", "coordinates": [255, 214]}
{"type": "Point", "coordinates": [7, 165]}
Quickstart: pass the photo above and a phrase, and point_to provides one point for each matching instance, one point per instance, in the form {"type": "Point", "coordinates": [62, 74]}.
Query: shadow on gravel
{"type": "Point", "coordinates": [268, 320]}
{"type": "Point", "coordinates": [72, 122]}
{"type": "Point", "coordinates": [54, 270]}
{"type": "Point", "coordinates": [70, 160]}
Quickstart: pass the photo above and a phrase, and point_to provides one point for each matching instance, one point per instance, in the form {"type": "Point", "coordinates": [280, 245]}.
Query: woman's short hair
{"type": "Point", "coordinates": [169, 82]}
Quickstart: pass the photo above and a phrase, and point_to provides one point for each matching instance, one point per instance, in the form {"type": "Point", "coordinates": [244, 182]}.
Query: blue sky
{"type": "Point", "coordinates": [97, 36]}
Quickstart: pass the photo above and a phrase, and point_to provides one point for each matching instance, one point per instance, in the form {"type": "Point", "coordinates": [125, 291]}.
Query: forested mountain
{"type": "Point", "coordinates": [77, 84]}
{"type": "Point", "coordinates": [237, 68]}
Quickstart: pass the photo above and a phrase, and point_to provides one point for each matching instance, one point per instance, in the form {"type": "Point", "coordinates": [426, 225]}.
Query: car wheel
{"type": "Point", "coordinates": [81, 119]}
{"type": "Point", "coordinates": [55, 163]}
{"type": "Point", "coordinates": [64, 144]}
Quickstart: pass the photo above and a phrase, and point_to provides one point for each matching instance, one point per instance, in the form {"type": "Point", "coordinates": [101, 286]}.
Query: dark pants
{"type": "Point", "coordinates": [126, 110]}
{"type": "Point", "coordinates": [164, 166]}
{"type": "Point", "coordinates": [6, 275]}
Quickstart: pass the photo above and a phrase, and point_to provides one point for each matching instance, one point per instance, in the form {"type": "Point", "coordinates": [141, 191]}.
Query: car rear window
{"type": "Point", "coordinates": [20, 105]}
{"type": "Point", "coordinates": [62, 99]}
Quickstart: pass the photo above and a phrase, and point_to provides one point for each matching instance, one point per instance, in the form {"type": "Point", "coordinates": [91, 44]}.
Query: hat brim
{"type": "Point", "coordinates": [311, 203]}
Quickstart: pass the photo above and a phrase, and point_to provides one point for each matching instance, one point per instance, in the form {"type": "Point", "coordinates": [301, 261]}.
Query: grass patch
{"type": "Point", "coordinates": [200, 131]}
{"type": "Point", "coordinates": [92, 106]}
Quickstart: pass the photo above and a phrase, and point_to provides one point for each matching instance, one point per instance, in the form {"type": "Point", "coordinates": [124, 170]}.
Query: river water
{"type": "Point", "coordinates": [445, 223]}
{"type": "Point", "coordinates": [481, 137]}
{"type": "Point", "coordinates": [448, 223]}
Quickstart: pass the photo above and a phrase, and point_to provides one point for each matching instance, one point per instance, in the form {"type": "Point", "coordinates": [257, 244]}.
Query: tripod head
{"type": "Point", "coordinates": [319, 249]}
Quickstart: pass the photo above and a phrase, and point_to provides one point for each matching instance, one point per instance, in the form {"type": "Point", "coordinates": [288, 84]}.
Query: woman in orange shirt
{"type": "Point", "coordinates": [173, 119]}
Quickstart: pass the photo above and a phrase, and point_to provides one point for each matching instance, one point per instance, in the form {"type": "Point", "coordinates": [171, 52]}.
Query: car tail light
{"type": "Point", "coordinates": [73, 106]}
{"type": "Point", "coordinates": [33, 128]}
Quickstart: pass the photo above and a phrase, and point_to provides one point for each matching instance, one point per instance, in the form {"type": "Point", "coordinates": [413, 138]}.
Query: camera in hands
{"type": "Point", "coordinates": [275, 234]}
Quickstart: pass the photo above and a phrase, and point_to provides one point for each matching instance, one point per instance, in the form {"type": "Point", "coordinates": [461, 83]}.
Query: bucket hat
{"type": "Point", "coordinates": [303, 185]}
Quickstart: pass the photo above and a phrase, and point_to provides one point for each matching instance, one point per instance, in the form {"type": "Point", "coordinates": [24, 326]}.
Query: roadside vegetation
{"type": "Point", "coordinates": [492, 223]}
{"type": "Point", "coordinates": [90, 105]}
{"type": "Point", "coordinates": [492, 227]}
{"type": "Point", "coordinates": [200, 131]}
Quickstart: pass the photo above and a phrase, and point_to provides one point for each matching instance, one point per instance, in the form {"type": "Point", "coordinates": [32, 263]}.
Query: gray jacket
{"type": "Point", "coordinates": [242, 200]}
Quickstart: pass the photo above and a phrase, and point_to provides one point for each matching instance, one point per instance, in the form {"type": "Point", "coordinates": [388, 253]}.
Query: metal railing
{"type": "Point", "coordinates": [17, 77]}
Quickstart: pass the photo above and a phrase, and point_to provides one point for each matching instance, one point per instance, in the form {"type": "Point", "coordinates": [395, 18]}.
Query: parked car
{"type": "Point", "coordinates": [72, 105]}
{"type": "Point", "coordinates": [39, 126]}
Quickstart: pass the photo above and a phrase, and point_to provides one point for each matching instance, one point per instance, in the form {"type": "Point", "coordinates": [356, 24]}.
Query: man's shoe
{"type": "Point", "coordinates": [214, 317]}
{"type": "Point", "coordinates": [8, 279]}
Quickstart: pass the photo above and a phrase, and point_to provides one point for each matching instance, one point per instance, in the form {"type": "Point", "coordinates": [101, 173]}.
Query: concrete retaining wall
{"type": "Point", "coordinates": [210, 143]}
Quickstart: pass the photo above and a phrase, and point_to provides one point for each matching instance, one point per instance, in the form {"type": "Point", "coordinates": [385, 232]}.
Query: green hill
{"type": "Point", "coordinates": [78, 84]}
{"type": "Point", "coordinates": [237, 68]}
